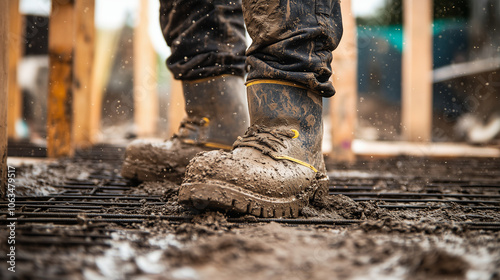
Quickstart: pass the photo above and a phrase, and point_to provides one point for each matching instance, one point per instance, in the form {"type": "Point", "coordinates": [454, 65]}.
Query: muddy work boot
{"type": "Point", "coordinates": [217, 113]}
{"type": "Point", "coordinates": [275, 168]}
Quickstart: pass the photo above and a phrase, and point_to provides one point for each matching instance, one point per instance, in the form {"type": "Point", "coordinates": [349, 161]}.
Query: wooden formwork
{"type": "Point", "coordinates": [146, 109]}
{"type": "Point", "coordinates": [4, 30]}
{"type": "Point", "coordinates": [83, 95]}
{"type": "Point", "coordinates": [59, 115]}
{"type": "Point", "coordinates": [343, 114]}
{"type": "Point", "coordinates": [14, 48]}
{"type": "Point", "coordinates": [417, 71]}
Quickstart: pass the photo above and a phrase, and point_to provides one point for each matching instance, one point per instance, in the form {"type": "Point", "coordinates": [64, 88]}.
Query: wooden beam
{"type": "Point", "coordinates": [106, 45]}
{"type": "Point", "coordinates": [417, 70]}
{"type": "Point", "coordinates": [464, 69]}
{"type": "Point", "coordinates": [59, 104]}
{"type": "Point", "coordinates": [4, 31]}
{"type": "Point", "coordinates": [146, 106]}
{"type": "Point", "coordinates": [343, 114]}
{"type": "Point", "coordinates": [82, 76]}
{"type": "Point", "coordinates": [386, 149]}
{"type": "Point", "coordinates": [15, 43]}
{"type": "Point", "coordinates": [24, 161]}
{"type": "Point", "coordinates": [176, 106]}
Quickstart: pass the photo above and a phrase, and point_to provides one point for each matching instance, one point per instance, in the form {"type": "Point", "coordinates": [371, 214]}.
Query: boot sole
{"type": "Point", "coordinates": [144, 171]}
{"type": "Point", "coordinates": [219, 195]}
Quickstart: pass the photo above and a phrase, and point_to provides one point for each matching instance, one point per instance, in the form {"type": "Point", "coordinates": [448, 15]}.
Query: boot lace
{"type": "Point", "coordinates": [192, 124]}
{"type": "Point", "coordinates": [265, 139]}
{"type": "Point", "coordinates": [268, 140]}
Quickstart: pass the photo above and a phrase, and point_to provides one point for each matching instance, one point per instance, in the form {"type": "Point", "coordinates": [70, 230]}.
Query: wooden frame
{"type": "Point", "coordinates": [146, 104]}
{"type": "Point", "coordinates": [176, 107]}
{"type": "Point", "coordinates": [417, 71]}
{"type": "Point", "coordinates": [83, 95]}
{"type": "Point", "coordinates": [4, 31]}
{"type": "Point", "coordinates": [343, 115]}
{"type": "Point", "coordinates": [59, 106]}
{"type": "Point", "coordinates": [71, 96]}
{"type": "Point", "coordinates": [14, 50]}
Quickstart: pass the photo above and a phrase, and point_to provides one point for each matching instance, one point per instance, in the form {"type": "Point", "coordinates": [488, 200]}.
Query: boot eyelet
{"type": "Point", "coordinates": [205, 121]}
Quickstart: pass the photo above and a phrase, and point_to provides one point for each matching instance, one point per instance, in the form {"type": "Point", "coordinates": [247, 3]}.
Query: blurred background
{"type": "Point", "coordinates": [465, 62]}
{"type": "Point", "coordinates": [466, 34]}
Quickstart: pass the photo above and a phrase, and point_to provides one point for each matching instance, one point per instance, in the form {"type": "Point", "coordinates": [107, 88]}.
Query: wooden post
{"type": "Point", "coordinates": [176, 108]}
{"type": "Point", "coordinates": [146, 106]}
{"type": "Point", "coordinates": [15, 42]}
{"type": "Point", "coordinates": [106, 44]}
{"type": "Point", "coordinates": [343, 113]}
{"type": "Point", "coordinates": [59, 105]}
{"type": "Point", "coordinates": [417, 70]}
{"type": "Point", "coordinates": [82, 76]}
{"type": "Point", "coordinates": [4, 31]}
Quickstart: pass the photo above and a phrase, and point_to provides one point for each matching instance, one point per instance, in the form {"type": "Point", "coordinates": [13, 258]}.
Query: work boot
{"type": "Point", "coordinates": [275, 168]}
{"type": "Point", "coordinates": [217, 113]}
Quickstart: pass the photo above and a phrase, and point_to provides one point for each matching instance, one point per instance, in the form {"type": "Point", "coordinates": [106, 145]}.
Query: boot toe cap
{"type": "Point", "coordinates": [249, 169]}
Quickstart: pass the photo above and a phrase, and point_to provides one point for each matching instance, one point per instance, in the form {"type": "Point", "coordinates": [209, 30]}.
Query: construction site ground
{"type": "Point", "coordinates": [392, 218]}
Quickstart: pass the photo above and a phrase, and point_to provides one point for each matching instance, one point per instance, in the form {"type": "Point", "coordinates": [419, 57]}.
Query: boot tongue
{"type": "Point", "coordinates": [277, 105]}
{"type": "Point", "coordinates": [264, 139]}
{"type": "Point", "coordinates": [274, 142]}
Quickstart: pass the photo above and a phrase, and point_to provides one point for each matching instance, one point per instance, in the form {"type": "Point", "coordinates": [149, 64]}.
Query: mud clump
{"type": "Point", "coordinates": [436, 264]}
{"type": "Point", "coordinates": [346, 208]}
{"type": "Point", "coordinates": [206, 224]}
{"type": "Point", "coordinates": [165, 189]}
{"type": "Point", "coordinates": [210, 219]}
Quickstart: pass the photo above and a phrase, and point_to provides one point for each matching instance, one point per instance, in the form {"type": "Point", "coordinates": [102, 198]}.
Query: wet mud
{"type": "Point", "coordinates": [385, 243]}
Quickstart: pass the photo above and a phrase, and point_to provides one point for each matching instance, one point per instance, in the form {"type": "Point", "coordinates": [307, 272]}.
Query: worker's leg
{"type": "Point", "coordinates": [293, 41]}
{"type": "Point", "coordinates": [207, 41]}
{"type": "Point", "coordinates": [206, 37]}
{"type": "Point", "coordinates": [277, 167]}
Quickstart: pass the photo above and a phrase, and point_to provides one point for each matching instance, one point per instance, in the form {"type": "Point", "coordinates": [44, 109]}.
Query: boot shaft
{"type": "Point", "coordinates": [217, 107]}
{"type": "Point", "coordinates": [281, 105]}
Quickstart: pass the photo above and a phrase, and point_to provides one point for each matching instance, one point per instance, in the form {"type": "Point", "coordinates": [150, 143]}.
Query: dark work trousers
{"type": "Point", "coordinates": [292, 40]}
